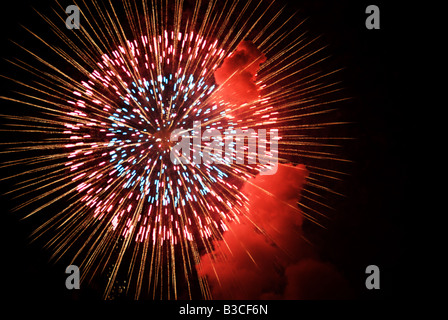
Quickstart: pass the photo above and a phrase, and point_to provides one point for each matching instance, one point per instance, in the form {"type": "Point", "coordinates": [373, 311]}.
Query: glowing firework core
{"type": "Point", "coordinates": [126, 115]}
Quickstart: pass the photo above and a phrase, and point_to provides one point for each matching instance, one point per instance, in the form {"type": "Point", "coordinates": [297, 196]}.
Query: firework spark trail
{"type": "Point", "coordinates": [161, 72]}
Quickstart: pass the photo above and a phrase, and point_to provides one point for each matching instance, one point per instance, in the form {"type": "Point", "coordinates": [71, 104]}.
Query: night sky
{"type": "Point", "coordinates": [368, 226]}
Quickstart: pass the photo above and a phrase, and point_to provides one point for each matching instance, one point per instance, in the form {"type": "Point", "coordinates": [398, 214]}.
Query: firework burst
{"type": "Point", "coordinates": [131, 211]}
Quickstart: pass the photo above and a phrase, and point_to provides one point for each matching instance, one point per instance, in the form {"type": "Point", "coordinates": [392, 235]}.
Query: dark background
{"type": "Point", "coordinates": [370, 222]}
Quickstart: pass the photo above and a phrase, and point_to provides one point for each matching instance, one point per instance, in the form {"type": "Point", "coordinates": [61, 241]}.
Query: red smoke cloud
{"type": "Point", "coordinates": [269, 258]}
{"type": "Point", "coordinates": [265, 256]}
{"type": "Point", "coordinates": [236, 76]}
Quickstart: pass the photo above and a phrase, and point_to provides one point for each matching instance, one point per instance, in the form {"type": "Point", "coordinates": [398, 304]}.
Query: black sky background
{"type": "Point", "coordinates": [370, 223]}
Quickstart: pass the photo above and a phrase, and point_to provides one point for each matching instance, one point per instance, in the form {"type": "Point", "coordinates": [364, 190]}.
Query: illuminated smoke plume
{"type": "Point", "coordinates": [268, 258]}
{"type": "Point", "coordinates": [237, 74]}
